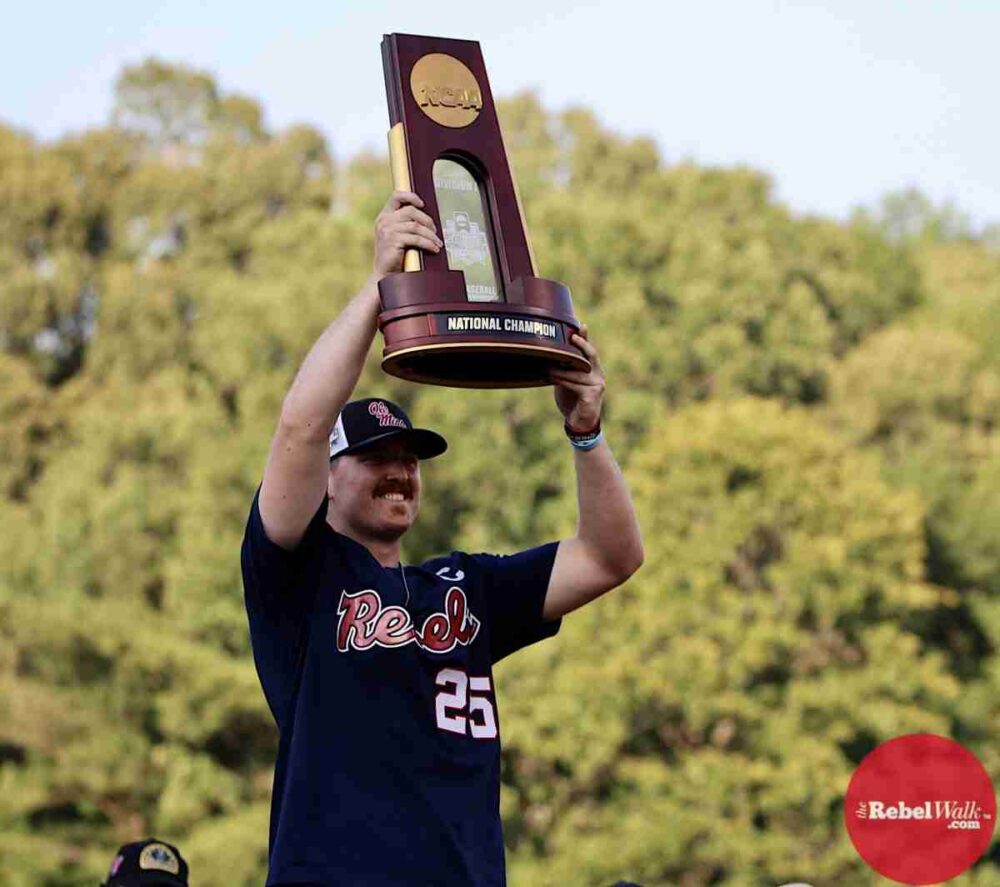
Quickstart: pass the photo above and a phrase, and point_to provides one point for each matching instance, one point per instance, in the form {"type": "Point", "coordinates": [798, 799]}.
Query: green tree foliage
{"type": "Point", "coordinates": [806, 412]}
{"type": "Point", "coordinates": [909, 216]}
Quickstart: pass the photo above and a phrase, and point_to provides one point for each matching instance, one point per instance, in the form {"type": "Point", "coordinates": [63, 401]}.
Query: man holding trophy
{"type": "Point", "coordinates": [379, 674]}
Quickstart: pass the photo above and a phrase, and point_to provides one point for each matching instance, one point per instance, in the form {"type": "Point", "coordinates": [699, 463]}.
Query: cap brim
{"type": "Point", "coordinates": [425, 444]}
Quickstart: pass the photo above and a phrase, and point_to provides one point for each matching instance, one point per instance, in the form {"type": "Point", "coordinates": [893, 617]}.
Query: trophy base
{"type": "Point", "coordinates": [480, 364]}
{"type": "Point", "coordinates": [434, 335]}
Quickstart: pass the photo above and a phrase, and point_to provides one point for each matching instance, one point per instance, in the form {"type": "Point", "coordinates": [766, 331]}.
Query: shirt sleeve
{"type": "Point", "coordinates": [514, 588]}
{"type": "Point", "coordinates": [279, 587]}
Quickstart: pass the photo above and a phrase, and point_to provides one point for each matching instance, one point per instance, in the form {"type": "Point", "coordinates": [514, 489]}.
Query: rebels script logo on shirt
{"type": "Point", "coordinates": [365, 623]}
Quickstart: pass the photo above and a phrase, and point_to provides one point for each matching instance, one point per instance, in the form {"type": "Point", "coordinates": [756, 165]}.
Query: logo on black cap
{"type": "Point", "coordinates": [384, 415]}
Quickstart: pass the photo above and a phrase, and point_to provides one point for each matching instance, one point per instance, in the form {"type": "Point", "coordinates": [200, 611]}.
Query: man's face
{"type": "Point", "coordinates": [376, 492]}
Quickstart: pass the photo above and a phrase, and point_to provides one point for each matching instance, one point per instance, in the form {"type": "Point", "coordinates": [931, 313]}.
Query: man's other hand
{"type": "Point", "coordinates": [578, 394]}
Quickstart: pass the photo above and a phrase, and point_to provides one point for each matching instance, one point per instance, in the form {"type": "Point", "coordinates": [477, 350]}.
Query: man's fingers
{"type": "Point", "coordinates": [578, 390]}
{"type": "Point", "coordinates": [406, 239]}
{"type": "Point", "coordinates": [400, 199]}
{"type": "Point", "coordinates": [578, 377]}
{"type": "Point", "coordinates": [571, 379]}
{"type": "Point", "coordinates": [412, 227]}
{"type": "Point", "coordinates": [581, 342]}
{"type": "Point", "coordinates": [414, 214]}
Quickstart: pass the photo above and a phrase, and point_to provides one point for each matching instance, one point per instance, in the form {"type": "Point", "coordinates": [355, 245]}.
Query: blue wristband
{"type": "Point", "coordinates": [586, 440]}
{"type": "Point", "coordinates": [588, 444]}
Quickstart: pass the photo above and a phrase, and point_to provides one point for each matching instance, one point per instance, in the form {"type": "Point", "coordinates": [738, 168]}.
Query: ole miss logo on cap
{"type": "Point", "coordinates": [381, 412]}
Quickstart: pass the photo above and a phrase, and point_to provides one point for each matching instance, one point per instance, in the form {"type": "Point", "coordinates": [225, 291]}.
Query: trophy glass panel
{"type": "Point", "coordinates": [468, 238]}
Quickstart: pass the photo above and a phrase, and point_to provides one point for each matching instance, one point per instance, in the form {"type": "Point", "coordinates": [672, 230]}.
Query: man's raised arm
{"type": "Point", "coordinates": [295, 476]}
{"type": "Point", "coordinates": [607, 547]}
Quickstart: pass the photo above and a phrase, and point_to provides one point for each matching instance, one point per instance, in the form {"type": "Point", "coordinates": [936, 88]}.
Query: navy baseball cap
{"type": "Point", "coordinates": [149, 862]}
{"type": "Point", "coordinates": [363, 423]}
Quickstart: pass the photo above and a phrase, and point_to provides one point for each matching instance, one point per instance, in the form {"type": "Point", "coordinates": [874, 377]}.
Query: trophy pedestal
{"type": "Point", "coordinates": [434, 335]}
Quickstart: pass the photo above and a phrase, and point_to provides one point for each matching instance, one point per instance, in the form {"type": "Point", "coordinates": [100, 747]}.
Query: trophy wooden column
{"type": "Point", "coordinates": [474, 315]}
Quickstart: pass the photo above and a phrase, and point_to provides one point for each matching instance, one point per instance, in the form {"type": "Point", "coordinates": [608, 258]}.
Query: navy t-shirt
{"type": "Point", "coordinates": [388, 768]}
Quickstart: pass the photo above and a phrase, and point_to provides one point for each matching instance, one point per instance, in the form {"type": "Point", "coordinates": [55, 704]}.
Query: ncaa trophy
{"type": "Point", "coordinates": [475, 315]}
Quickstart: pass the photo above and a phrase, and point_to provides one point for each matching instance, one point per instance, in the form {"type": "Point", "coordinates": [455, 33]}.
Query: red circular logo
{"type": "Point", "coordinates": [920, 809]}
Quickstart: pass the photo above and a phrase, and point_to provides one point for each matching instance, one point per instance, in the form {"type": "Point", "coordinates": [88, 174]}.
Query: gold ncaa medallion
{"type": "Point", "coordinates": [445, 90]}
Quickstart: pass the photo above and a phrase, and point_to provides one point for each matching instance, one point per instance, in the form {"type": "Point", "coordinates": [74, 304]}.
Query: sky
{"type": "Point", "coordinates": [840, 102]}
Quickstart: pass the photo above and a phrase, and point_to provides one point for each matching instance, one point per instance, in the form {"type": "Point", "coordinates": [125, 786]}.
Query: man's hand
{"type": "Point", "coordinates": [400, 226]}
{"type": "Point", "coordinates": [578, 394]}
